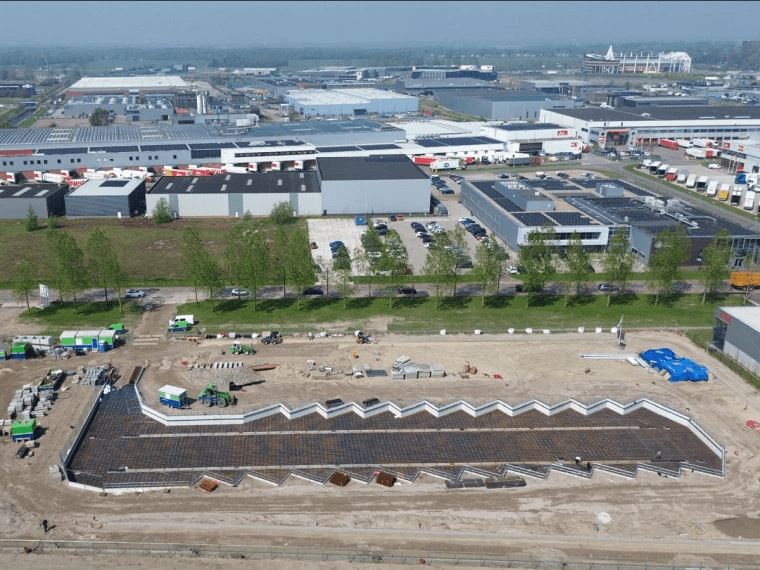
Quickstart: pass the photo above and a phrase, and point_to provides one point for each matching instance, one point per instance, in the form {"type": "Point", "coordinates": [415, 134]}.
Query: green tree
{"type": "Point", "coordinates": [31, 222]}
{"type": "Point", "coordinates": [211, 275]}
{"type": "Point", "coordinates": [24, 280]}
{"type": "Point", "coordinates": [344, 284]}
{"type": "Point", "coordinates": [618, 261]}
{"type": "Point", "coordinates": [368, 258]}
{"type": "Point", "coordinates": [577, 264]}
{"type": "Point", "coordinates": [192, 257]}
{"type": "Point", "coordinates": [282, 214]}
{"type": "Point", "coordinates": [299, 263]}
{"type": "Point", "coordinates": [279, 250]}
{"type": "Point", "coordinates": [71, 274]}
{"type": "Point", "coordinates": [342, 259]}
{"type": "Point", "coordinates": [671, 251]}
{"type": "Point", "coordinates": [104, 263]}
{"type": "Point", "coordinates": [715, 259]}
{"type": "Point", "coordinates": [161, 213]}
{"type": "Point", "coordinates": [325, 271]}
{"type": "Point", "coordinates": [536, 258]}
{"type": "Point", "coordinates": [488, 266]}
{"type": "Point", "coordinates": [99, 118]}
{"type": "Point", "coordinates": [53, 222]}
{"type": "Point", "coordinates": [439, 268]}
{"type": "Point", "coordinates": [255, 264]}
{"type": "Point", "coordinates": [455, 240]}
{"type": "Point", "coordinates": [393, 264]}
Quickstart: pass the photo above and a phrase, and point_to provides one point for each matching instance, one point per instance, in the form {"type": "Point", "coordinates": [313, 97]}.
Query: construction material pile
{"type": "Point", "coordinates": [679, 369]}
{"type": "Point", "coordinates": [93, 375]}
{"type": "Point", "coordinates": [404, 368]}
{"type": "Point", "coordinates": [222, 372]}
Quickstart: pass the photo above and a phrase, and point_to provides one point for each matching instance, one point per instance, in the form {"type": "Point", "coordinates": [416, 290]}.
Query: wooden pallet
{"type": "Point", "coordinates": [208, 485]}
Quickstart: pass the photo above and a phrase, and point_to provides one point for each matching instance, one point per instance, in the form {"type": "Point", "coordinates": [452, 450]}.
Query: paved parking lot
{"type": "Point", "coordinates": [326, 230]}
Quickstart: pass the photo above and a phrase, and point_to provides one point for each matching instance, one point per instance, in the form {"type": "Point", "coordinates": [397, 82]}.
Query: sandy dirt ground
{"type": "Point", "coordinates": [694, 519]}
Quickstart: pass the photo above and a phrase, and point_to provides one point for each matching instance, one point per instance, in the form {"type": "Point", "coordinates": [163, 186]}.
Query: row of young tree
{"type": "Point", "coordinates": [73, 268]}
{"type": "Point", "coordinates": [672, 246]}
{"type": "Point", "coordinates": [253, 258]}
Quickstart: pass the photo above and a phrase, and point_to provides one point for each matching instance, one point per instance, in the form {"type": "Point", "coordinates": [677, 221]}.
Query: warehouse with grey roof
{"type": "Point", "coordinates": [45, 199]}
{"type": "Point", "coordinates": [235, 194]}
{"type": "Point", "coordinates": [373, 184]}
{"type": "Point", "coordinates": [113, 198]}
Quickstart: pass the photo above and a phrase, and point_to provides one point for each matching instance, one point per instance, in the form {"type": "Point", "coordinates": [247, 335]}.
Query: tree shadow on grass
{"type": "Point", "coordinates": [272, 305]}
{"type": "Point", "coordinates": [229, 306]}
{"type": "Point", "coordinates": [320, 303]}
{"type": "Point", "coordinates": [580, 300]}
{"type": "Point", "coordinates": [716, 297]}
{"type": "Point", "coordinates": [360, 302]}
{"type": "Point", "coordinates": [542, 300]}
{"type": "Point", "coordinates": [623, 299]}
{"type": "Point", "coordinates": [449, 303]}
{"type": "Point", "coordinates": [83, 309]}
{"type": "Point", "coordinates": [499, 301]}
{"type": "Point", "coordinates": [408, 302]}
{"type": "Point", "coordinates": [665, 300]}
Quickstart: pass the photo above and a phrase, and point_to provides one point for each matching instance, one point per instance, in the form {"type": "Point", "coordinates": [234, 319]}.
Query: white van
{"type": "Point", "coordinates": [189, 318]}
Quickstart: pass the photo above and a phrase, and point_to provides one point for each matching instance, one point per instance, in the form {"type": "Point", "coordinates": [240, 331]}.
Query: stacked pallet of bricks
{"type": "Point", "coordinates": [93, 376]}
{"type": "Point", "coordinates": [410, 369]}
{"type": "Point", "coordinates": [43, 405]}
{"type": "Point", "coordinates": [24, 399]}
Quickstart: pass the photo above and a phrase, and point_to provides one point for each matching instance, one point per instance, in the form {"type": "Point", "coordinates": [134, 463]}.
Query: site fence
{"type": "Point", "coordinates": [416, 557]}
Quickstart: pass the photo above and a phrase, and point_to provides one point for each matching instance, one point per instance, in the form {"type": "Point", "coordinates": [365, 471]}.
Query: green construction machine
{"type": "Point", "coordinates": [239, 348]}
{"type": "Point", "coordinates": [210, 396]}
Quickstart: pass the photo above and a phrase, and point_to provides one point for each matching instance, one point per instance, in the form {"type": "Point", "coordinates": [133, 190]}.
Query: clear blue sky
{"type": "Point", "coordinates": [325, 23]}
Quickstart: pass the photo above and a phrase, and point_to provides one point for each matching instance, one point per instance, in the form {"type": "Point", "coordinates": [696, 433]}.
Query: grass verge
{"type": "Point", "coordinates": [58, 317]}
{"type": "Point", "coordinates": [461, 314]}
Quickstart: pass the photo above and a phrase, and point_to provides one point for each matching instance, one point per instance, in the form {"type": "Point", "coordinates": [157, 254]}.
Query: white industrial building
{"type": "Point", "coordinates": [232, 195]}
{"type": "Point", "coordinates": [609, 127]}
{"type": "Point", "coordinates": [372, 185]}
{"type": "Point", "coordinates": [139, 84]}
{"type": "Point", "coordinates": [534, 138]}
{"type": "Point", "coordinates": [112, 198]}
{"type": "Point", "coordinates": [324, 102]}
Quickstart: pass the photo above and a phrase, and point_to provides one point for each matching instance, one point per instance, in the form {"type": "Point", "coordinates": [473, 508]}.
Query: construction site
{"type": "Point", "coordinates": [455, 443]}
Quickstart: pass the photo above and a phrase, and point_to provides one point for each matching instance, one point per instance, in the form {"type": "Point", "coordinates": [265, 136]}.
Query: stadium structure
{"type": "Point", "coordinates": [609, 64]}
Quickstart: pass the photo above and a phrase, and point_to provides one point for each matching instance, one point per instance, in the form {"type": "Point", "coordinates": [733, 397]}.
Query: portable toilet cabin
{"type": "Point", "coordinates": [106, 339]}
{"type": "Point", "coordinates": [23, 430]}
{"type": "Point", "coordinates": [69, 339]}
{"type": "Point", "coordinates": [21, 350]}
{"type": "Point", "coordinates": [173, 396]}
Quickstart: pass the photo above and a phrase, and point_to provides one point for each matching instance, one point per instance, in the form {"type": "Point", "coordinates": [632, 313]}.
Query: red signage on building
{"type": "Point", "coordinates": [726, 318]}
{"type": "Point", "coordinates": [726, 145]}
{"type": "Point", "coordinates": [561, 133]}
{"type": "Point", "coordinates": [741, 149]}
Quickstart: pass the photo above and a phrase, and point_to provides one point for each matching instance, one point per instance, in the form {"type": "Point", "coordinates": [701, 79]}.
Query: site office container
{"type": "Point", "coordinates": [172, 396]}
{"type": "Point", "coordinates": [23, 430]}
{"type": "Point", "coordinates": [21, 350]}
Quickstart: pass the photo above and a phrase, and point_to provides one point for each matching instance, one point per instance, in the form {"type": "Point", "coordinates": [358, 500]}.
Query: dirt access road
{"type": "Point", "coordinates": [684, 521]}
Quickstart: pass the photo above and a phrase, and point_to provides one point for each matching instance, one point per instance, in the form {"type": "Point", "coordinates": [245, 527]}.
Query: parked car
{"type": "Point", "coordinates": [313, 291]}
{"type": "Point", "coordinates": [239, 292]}
{"type": "Point", "coordinates": [134, 293]}
{"type": "Point", "coordinates": [608, 288]}
{"type": "Point", "coordinates": [407, 291]}
{"type": "Point", "coordinates": [392, 218]}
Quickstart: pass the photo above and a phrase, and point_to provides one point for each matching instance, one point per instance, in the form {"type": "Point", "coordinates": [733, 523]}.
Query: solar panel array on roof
{"type": "Point", "coordinates": [23, 136]}
{"type": "Point", "coordinates": [114, 183]}
{"type": "Point", "coordinates": [533, 219]}
{"type": "Point", "coordinates": [570, 219]}
{"type": "Point", "coordinates": [157, 147]}
{"type": "Point", "coordinates": [549, 184]}
{"type": "Point", "coordinates": [506, 204]}
{"type": "Point", "coordinates": [212, 145]}
{"type": "Point", "coordinates": [51, 151]}
{"type": "Point", "coordinates": [386, 158]}
{"type": "Point", "coordinates": [325, 149]}
{"type": "Point", "coordinates": [114, 149]}
{"type": "Point", "coordinates": [456, 141]}
{"type": "Point", "coordinates": [378, 146]}
{"type": "Point", "coordinates": [589, 183]}
{"type": "Point", "coordinates": [631, 188]}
